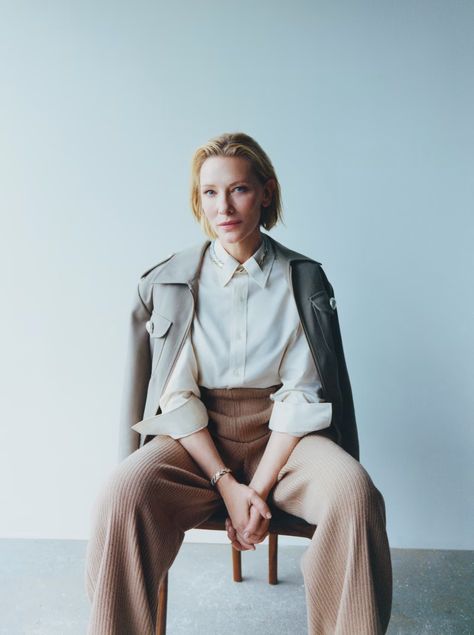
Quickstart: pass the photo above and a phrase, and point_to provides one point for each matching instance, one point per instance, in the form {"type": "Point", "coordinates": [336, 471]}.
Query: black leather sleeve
{"type": "Point", "coordinates": [350, 437]}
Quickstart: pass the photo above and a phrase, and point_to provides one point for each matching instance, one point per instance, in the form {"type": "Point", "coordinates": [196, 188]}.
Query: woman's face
{"type": "Point", "coordinates": [230, 193]}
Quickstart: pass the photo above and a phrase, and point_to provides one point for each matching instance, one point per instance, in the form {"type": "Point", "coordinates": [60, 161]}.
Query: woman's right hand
{"type": "Point", "coordinates": [260, 525]}
{"type": "Point", "coordinates": [238, 499]}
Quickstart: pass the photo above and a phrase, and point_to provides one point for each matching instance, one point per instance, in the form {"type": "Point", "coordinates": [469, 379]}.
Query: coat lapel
{"type": "Point", "coordinates": [183, 267]}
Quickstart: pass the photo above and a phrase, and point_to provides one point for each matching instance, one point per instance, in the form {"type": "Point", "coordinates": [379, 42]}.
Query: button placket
{"type": "Point", "coordinates": [239, 325]}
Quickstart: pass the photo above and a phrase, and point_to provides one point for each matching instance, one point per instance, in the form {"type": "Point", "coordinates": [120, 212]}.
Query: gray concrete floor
{"type": "Point", "coordinates": [43, 593]}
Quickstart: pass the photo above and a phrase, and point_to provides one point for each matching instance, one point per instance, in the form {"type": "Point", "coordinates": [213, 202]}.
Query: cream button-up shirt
{"type": "Point", "coordinates": [246, 332]}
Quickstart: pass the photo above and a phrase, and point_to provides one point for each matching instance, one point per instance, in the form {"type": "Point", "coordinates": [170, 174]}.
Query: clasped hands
{"type": "Point", "coordinates": [249, 517]}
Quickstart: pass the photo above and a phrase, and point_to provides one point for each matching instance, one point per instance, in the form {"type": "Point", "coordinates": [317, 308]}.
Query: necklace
{"type": "Point", "coordinates": [240, 269]}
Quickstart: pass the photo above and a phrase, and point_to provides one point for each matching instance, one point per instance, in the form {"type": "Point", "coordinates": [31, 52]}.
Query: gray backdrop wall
{"type": "Point", "coordinates": [366, 110]}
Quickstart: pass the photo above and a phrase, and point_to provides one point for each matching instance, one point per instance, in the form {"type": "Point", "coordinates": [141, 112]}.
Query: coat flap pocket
{"type": "Point", "coordinates": [323, 302]}
{"type": "Point", "coordinates": [158, 325]}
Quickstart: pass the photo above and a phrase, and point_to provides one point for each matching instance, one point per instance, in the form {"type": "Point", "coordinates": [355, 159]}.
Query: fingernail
{"type": "Point", "coordinates": [269, 515]}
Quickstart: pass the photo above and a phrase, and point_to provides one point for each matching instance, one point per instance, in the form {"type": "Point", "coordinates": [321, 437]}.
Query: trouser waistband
{"type": "Point", "coordinates": [239, 414]}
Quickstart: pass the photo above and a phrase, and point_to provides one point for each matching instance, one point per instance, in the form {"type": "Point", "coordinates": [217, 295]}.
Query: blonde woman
{"type": "Point", "coordinates": [237, 397]}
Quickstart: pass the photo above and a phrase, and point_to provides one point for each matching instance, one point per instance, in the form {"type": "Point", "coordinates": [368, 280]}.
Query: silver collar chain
{"type": "Point", "coordinates": [240, 268]}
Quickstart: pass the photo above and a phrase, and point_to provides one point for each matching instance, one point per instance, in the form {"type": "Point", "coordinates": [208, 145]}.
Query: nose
{"type": "Point", "coordinates": [223, 205]}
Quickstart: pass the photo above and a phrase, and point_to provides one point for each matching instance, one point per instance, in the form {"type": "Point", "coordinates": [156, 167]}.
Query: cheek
{"type": "Point", "coordinates": [254, 200]}
{"type": "Point", "coordinates": [247, 202]}
{"type": "Point", "coordinates": [206, 207]}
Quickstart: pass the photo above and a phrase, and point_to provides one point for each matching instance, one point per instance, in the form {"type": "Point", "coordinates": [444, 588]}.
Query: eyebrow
{"type": "Point", "coordinates": [234, 183]}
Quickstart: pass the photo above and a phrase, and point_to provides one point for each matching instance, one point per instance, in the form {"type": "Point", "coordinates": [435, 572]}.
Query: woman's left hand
{"type": "Point", "coordinates": [257, 528]}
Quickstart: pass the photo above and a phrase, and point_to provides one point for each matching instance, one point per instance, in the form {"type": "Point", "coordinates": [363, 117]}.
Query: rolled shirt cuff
{"type": "Point", "coordinates": [299, 419]}
{"type": "Point", "coordinates": [188, 418]}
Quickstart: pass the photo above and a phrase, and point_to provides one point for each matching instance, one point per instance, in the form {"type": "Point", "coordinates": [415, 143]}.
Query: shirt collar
{"type": "Point", "coordinates": [259, 273]}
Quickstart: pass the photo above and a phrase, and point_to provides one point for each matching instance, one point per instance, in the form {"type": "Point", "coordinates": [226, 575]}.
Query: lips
{"type": "Point", "coordinates": [229, 224]}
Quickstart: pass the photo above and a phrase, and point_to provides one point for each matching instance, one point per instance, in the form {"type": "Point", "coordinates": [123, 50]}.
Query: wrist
{"type": "Point", "coordinates": [225, 483]}
{"type": "Point", "coordinates": [261, 490]}
{"type": "Point", "coordinates": [219, 474]}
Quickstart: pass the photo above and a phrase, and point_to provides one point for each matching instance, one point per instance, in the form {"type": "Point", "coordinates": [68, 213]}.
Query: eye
{"type": "Point", "coordinates": [241, 187]}
{"type": "Point", "coordinates": [208, 191]}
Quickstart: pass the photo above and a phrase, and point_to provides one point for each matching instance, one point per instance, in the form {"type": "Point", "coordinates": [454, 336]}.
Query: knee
{"type": "Point", "coordinates": [123, 491]}
{"type": "Point", "coordinates": [355, 494]}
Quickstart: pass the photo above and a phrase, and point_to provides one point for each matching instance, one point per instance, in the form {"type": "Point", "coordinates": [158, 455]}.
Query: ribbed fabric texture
{"type": "Point", "coordinates": [158, 492]}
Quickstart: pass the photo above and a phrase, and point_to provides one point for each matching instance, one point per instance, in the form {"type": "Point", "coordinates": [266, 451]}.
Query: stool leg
{"type": "Point", "coordinates": [236, 564]}
{"type": "Point", "coordinates": [273, 558]}
{"type": "Point", "coordinates": [162, 606]}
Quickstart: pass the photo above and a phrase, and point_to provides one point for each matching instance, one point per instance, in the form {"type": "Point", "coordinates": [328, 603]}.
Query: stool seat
{"type": "Point", "coordinates": [281, 523]}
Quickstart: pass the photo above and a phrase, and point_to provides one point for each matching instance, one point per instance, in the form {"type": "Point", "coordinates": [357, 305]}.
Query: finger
{"type": "Point", "coordinates": [259, 534]}
{"type": "Point", "coordinates": [238, 546]}
{"type": "Point", "coordinates": [253, 524]}
{"type": "Point", "coordinates": [257, 538]}
{"type": "Point", "coordinates": [244, 543]}
{"type": "Point", "coordinates": [261, 505]}
{"type": "Point", "coordinates": [231, 533]}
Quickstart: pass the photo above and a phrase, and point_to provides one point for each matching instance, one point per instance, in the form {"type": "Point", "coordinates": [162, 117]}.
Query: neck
{"type": "Point", "coordinates": [242, 250]}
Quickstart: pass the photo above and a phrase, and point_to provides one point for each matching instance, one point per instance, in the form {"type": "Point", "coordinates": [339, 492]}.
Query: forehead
{"type": "Point", "coordinates": [225, 170]}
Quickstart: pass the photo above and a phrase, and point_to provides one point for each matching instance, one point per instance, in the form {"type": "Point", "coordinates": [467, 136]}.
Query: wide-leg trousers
{"type": "Point", "coordinates": [158, 492]}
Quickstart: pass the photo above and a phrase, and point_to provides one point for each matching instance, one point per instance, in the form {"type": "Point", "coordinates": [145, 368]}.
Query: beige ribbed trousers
{"type": "Point", "coordinates": [158, 492]}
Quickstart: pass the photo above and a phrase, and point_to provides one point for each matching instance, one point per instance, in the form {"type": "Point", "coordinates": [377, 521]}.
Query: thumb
{"type": "Point", "coordinates": [260, 505]}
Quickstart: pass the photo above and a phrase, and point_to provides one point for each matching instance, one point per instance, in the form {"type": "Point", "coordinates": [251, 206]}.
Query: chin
{"type": "Point", "coordinates": [230, 235]}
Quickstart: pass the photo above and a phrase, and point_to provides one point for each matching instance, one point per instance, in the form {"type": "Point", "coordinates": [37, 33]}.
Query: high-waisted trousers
{"type": "Point", "coordinates": [158, 492]}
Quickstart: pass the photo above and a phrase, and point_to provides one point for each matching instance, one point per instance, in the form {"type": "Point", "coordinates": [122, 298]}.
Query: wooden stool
{"type": "Point", "coordinates": [281, 523]}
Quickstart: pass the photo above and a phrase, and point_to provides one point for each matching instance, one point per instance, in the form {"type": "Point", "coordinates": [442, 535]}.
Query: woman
{"type": "Point", "coordinates": [239, 387]}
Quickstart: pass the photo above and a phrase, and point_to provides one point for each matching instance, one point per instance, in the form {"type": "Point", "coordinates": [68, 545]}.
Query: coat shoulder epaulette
{"type": "Point", "coordinates": [144, 274]}
{"type": "Point", "coordinates": [304, 258]}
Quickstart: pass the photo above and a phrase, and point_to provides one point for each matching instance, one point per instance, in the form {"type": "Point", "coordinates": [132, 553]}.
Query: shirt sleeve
{"type": "Point", "coordinates": [182, 411]}
{"type": "Point", "coordinates": [297, 409]}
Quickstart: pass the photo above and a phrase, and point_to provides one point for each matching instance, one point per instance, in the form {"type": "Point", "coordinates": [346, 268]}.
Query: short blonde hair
{"type": "Point", "coordinates": [235, 144]}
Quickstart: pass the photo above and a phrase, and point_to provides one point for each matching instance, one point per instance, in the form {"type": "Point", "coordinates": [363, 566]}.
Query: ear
{"type": "Point", "coordinates": [268, 190]}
